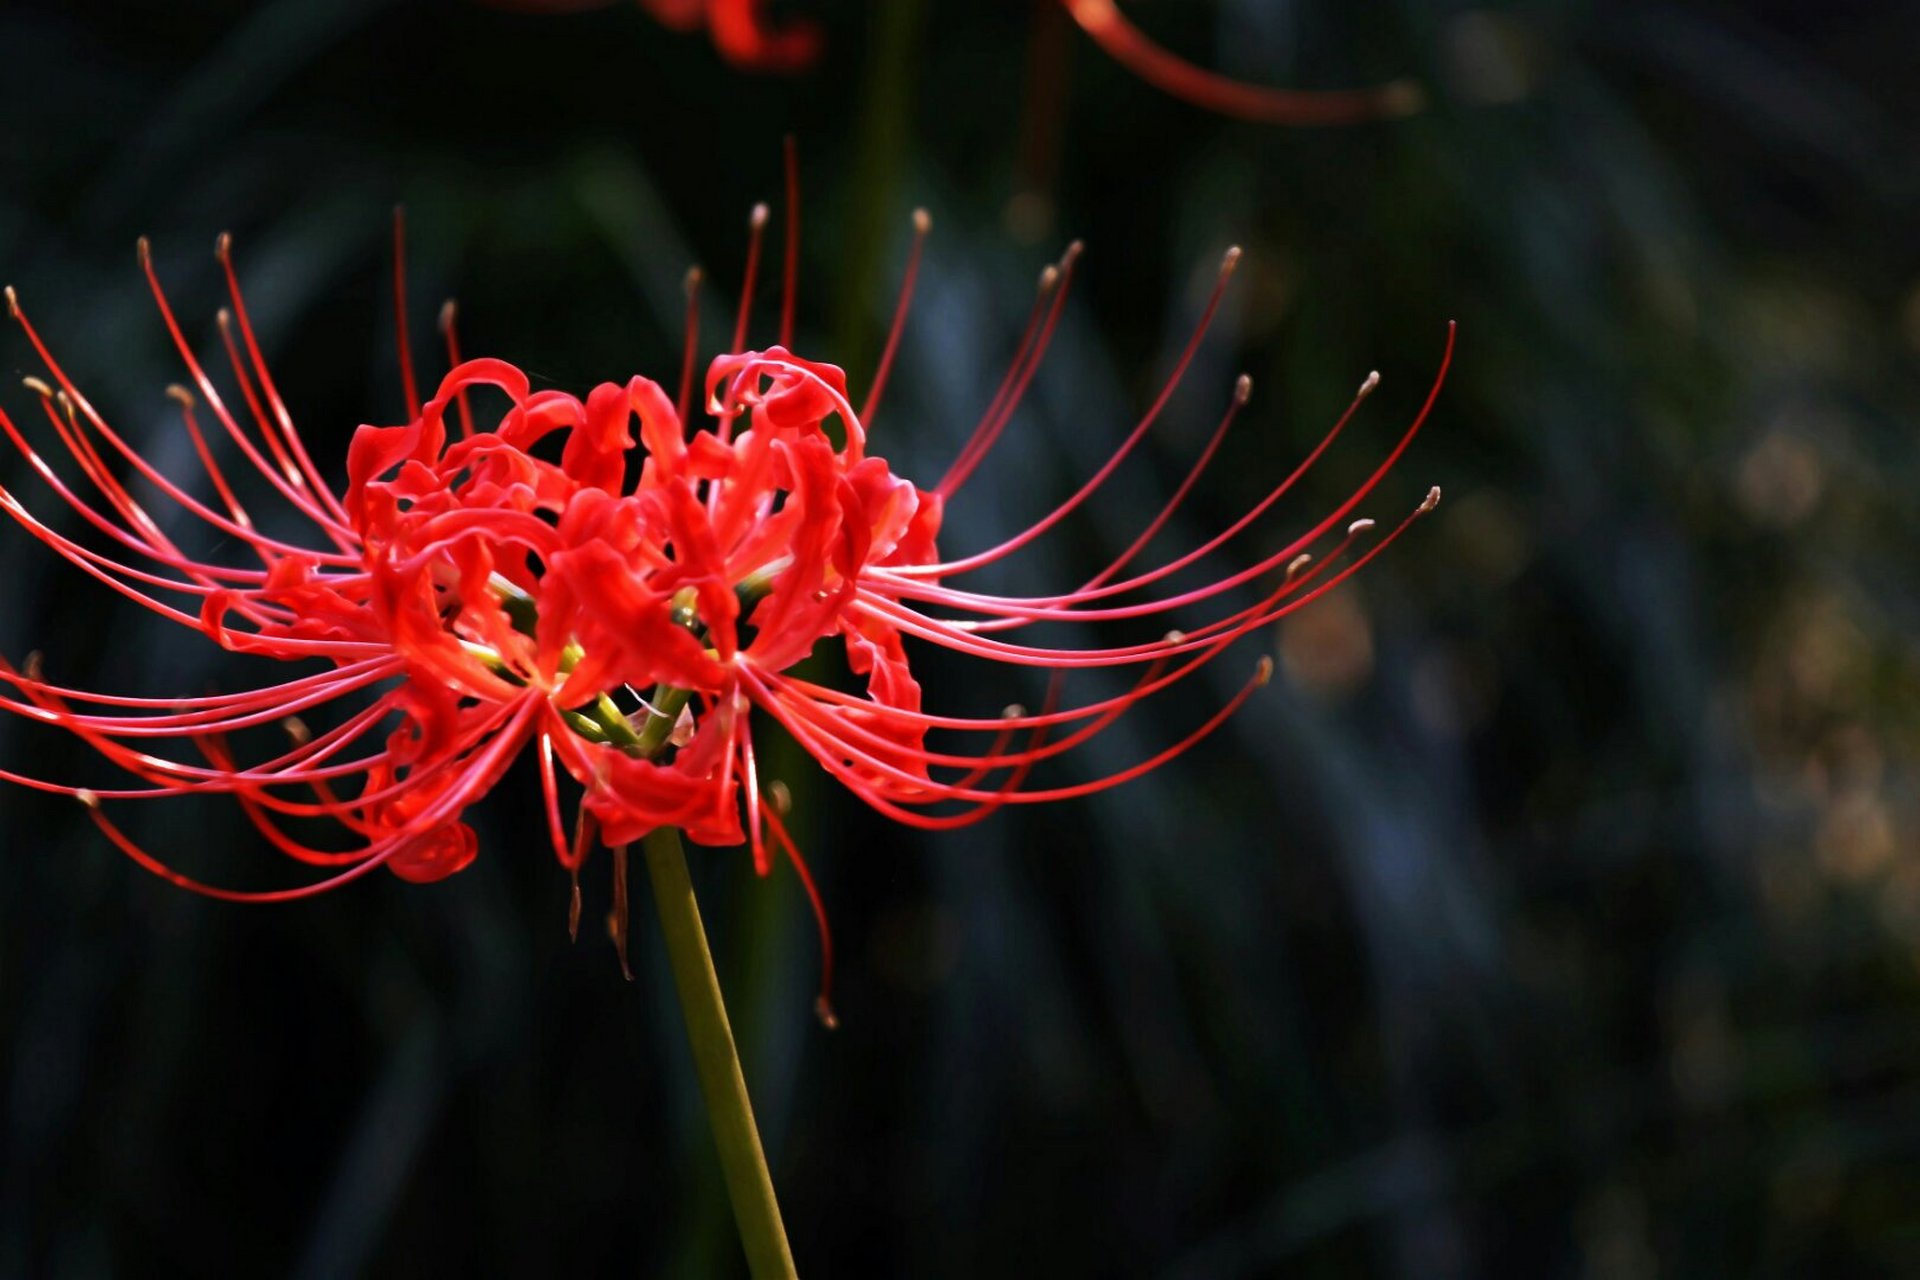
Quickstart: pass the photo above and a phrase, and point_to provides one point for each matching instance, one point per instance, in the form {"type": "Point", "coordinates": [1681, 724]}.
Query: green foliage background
{"type": "Point", "coordinates": [1557, 911]}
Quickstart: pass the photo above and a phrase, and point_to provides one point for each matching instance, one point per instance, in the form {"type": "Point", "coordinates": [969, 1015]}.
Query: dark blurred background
{"type": "Point", "coordinates": [1555, 913]}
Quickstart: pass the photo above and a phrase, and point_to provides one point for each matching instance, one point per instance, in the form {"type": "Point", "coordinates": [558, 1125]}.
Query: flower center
{"type": "Point", "coordinates": [649, 729]}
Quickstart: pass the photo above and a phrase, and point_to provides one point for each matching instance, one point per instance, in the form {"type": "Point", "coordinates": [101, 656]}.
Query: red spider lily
{"type": "Point", "coordinates": [749, 39]}
{"type": "Point", "coordinates": [625, 602]}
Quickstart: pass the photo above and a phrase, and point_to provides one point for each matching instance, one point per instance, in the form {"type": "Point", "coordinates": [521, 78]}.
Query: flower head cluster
{"type": "Point", "coordinates": [623, 589]}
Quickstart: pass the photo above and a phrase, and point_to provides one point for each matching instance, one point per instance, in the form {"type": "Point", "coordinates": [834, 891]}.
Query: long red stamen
{"type": "Point", "coordinates": [120, 446]}
{"type": "Point", "coordinates": [184, 398]}
{"type": "Point", "coordinates": [756, 233]}
{"type": "Point", "coordinates": [1133, 438]}
{"type": "Point", "coordinates": [922, 224]}
{"type": "Point", "coordinates": [479, 775]}
{"type": "Point", "coordinates": [408, 385]}
{"type": "Point", "coordinates": [690, 353]}
{"type": "Point", "coordinates": [790, 262]}
{"type": "Point", "coordinates": [1054, 284]}
{"type": "Point", "coordinates": [450, 330]}
{"type": "Point", "coordinates": [823, 1003]}
{"type": "Point", "coordinates": [1129, 46]}
{"type": "Point", "coordinates": [223, 251]}
{"type": "Point", "coordinates": [1242, 391]}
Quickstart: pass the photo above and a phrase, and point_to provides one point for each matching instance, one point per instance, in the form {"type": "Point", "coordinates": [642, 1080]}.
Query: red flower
{"type": "Point", "coordinates": [743, 32]}
{"type": "Point", "coordinates": [750, 40]}
{"type": "Point", "coordinates": [628, 608]}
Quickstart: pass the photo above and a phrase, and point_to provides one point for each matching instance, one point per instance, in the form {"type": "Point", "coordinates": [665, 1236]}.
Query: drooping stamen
{"type": "Point", "coordinates": [479, 774]}
{"type": "Point", "coordinates": [1211, 91]}
{"type": "Point", "coordinates": [836, 762]}
{"type": "Point", "coordinates": [843, 733]}
{"type": "Point", "coordinates": [585, 828]}
{"type": "Point", "coordinates": [304, 764]}
{"type": "Point", "coordinates": [215, 748]}
{"type": "Point", "coordinates": [617, 915]}
{"type": "Point", "coordinates": [822, 1003]}
{"type": "Point", "coordinates": [827, 733]}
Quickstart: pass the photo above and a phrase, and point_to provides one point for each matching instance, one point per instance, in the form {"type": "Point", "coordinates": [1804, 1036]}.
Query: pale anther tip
{"type": "Point", "coordinates": [449, 311]}
{"type": "Point", "coordinates": [693, 278]}
{"type": "Point", "coordinates": [779, 797]}
{"type": "Point", "coordinates": [180, 395]}
{"type": "Point", "coordinates": [1432, 500]}
{"type": "Point", "coordinates": [297, 730]}
{"type": "Point", "coordinates": [758, 218]}
{"type": "Point", "coordinates": [223, 245]}
{"type": "Point", "coordinates": [38, 387]}
{"type": "Point", "coordinates": [1373, 380]}
{"type": "Point", "coordinates": [87, 798]}
{"type": "Point", "coordinates": [922, 221]}
{"type": "Point", "coordinates": [1012, 711]}
{"type": "Point", "coordinates": [13, 303]}
{"type": "Point", "coordinates": [823, 1010]}
{"type": "Point", "coordinates": [1230, 259]}
{"type": "Point", "coordinates": [1049, 278]}
{"type": "Point", "coordinates": [1073, 252]}
{"type": "Point", "coordinates": [1242, 389]}
{"type": "Point", "coordinates": [1174, 637]}
{"type": "Point", "coordinates": [1359, 526]}
{"type": "Point", "coordinates": [35, 666]}
{"type": "Point", "coordinates": [1263, 671]}
{"type": "Point", "coordinates": [143, 249]}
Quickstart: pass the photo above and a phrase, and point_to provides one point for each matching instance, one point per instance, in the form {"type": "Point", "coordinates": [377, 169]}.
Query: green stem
{"type": "Point", "coordinates": [716, 1060]}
